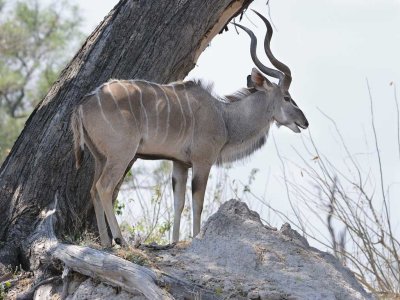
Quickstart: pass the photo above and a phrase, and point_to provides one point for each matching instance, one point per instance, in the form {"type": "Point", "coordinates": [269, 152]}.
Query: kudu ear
{"type": "Point", "coordinates": [250, 83]}
{"type": "Point", "coordinates": [258, 80]}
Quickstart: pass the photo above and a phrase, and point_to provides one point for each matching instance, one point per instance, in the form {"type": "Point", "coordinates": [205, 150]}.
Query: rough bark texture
{"type": "Point", "coordinates": [153, 40]}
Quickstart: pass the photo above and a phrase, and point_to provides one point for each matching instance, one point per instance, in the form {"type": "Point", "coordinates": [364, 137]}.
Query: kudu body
{"type": "Point", "coordinates": [124, 120]}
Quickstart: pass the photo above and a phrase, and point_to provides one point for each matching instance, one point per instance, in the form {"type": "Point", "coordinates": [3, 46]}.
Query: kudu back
{"type": "Point", "coordinates": [123, 120]}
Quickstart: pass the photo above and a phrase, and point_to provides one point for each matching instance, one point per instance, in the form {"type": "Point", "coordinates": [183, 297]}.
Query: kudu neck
{"type": "Point", "coordinates": [248, 118]}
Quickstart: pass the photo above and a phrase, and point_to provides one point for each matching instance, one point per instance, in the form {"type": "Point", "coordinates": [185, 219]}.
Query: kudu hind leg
{"type": "Point", "coordinates": [199, 184]}
{"type": "Point", "coordinates": [98, 207]}
{"type": "Point", "coordinates": [110, 178]}
{"type": "Point", "coordinates": [179, 178]}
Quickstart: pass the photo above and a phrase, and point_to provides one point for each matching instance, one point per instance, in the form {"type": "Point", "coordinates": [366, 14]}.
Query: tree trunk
{"type": "Point", "coordinates": [158, 41]}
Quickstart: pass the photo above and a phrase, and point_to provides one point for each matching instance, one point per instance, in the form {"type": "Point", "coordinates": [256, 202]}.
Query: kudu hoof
{"type": "Point", "coordinates": [121, 242]}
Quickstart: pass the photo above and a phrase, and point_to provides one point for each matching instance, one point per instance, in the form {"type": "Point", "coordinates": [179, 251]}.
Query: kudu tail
{"type": "Point", "coordinates": [77, 130]}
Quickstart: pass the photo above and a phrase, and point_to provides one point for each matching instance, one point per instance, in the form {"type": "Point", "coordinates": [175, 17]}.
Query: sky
{"type": "Point", "coordinates": [333, 49]}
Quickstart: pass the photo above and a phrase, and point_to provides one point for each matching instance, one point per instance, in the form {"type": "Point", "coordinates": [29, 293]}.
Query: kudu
{"type": "Point", "coordinates": [123, 120]}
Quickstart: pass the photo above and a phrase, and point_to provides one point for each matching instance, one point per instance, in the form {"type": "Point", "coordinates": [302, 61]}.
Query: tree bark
{"type": "Point", "coordinates": [158, 41]}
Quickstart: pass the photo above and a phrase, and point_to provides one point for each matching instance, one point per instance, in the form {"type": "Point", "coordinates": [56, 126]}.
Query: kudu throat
{"type": "Point", "coordinates": [247, 123]}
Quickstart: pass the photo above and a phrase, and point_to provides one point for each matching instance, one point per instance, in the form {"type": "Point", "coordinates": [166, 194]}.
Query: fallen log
{"type": "Point", "coordinates": [111, 269]}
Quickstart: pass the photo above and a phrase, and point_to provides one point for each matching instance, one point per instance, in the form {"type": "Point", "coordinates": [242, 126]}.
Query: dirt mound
{"type": "Point", "coordinates": [236, 256]}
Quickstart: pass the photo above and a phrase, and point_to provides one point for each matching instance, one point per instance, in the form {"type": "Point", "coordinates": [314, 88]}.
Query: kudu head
{"type": "Point", "coordinates": [285, 110]}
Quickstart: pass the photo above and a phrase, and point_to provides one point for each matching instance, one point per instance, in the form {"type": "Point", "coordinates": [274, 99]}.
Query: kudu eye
{"type": "Point", "coordinates": [287, 98]}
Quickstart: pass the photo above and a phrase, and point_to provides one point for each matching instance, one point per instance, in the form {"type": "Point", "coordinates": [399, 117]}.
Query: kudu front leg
{"type": "Point", "coordinates": [179, 179]}
{"type": "Point", "coordinates": [199, 184]}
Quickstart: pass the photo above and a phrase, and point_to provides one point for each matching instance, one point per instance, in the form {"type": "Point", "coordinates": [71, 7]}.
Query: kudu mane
{"type": "Point", "coordinates": [208, 86]}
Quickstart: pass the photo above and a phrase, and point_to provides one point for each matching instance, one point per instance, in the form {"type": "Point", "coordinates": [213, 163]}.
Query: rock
{"type": "Point", "coordinates": [253, 295]}
{"type": "Point", "coordinates": [294, 235]}
{"type": "Point", "coordinates": [44, 292]}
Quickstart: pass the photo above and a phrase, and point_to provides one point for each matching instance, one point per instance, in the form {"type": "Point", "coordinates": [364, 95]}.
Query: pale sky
{"type": "Point", "coordinates": [332, 47]}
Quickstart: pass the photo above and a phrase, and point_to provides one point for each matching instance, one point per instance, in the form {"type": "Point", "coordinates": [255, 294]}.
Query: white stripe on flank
{"type": "Point", "coordinates": [130, 105]}
{"type": "Point", "coordinates": [183, 125]}
{"type": "Point", "coordinates": [168, 113]}
{"type": "Point", "coordinates": [193, 123]}
{"type": "Point", "coordinates": [112, 95]}
{"type": "Point", "coordinates": [102, 112]}
{"type": "Point", "coordinates": [155, 94]}
{"type": "Point", "coordinates": [142, 106]}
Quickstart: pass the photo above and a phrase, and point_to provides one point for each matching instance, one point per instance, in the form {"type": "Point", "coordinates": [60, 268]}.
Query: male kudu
{"type": "Point", "coordinates": [123, 120]}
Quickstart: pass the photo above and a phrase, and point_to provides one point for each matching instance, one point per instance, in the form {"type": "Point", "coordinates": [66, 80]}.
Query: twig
{"type": "Point", "coordinates": [382, 184]}
{"type": "Point", "coordinates": [398, 117]}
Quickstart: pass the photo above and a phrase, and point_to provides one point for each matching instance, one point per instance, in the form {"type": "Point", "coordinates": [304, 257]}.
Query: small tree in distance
{"type": "Point", "coordinates": [35, 44]}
